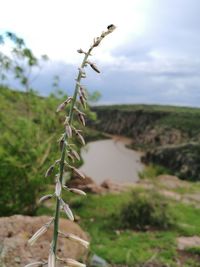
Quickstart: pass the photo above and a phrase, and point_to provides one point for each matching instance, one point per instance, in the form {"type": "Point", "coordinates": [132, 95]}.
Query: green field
{"type": "Point", "coordinates": [132, 247]}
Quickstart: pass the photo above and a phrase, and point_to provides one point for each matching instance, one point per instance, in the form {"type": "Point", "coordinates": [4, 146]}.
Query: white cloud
{"type": "Point", "coordinates": [59, 27]}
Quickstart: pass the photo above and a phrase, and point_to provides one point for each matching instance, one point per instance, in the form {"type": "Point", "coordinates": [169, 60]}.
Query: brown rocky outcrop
{"type": "Point", "coordinates": [87, 185]}
{"type": "Point", "coordinates": [16, 230]}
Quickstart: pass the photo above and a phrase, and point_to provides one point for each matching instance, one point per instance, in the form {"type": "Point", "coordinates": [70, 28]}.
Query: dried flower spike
{"type": "Point", "coordinates": [67, 151]}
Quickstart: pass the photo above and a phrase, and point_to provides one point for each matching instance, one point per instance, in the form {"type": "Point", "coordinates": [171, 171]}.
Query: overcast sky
{"type": "Point", "coordinates": [152, 57]}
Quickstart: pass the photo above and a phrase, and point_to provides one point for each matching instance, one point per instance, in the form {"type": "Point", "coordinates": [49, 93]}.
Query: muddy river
{"type": "Point", "coordinates": [111, 159]}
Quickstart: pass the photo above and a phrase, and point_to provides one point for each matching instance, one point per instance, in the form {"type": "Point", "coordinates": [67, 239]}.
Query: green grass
{"type": "Point", "coordinates": [130, 247]}
{"type": "Point", "coordinates": [151, 171]}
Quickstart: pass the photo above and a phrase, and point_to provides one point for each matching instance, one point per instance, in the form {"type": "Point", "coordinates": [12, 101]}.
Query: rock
{"type": "Point", "coordinates": [87, 185]}
{"type": "Point", "coordinates": [16, 230]}
{"type": "Point", "coordinates": [171, 181]}
{"type": "Point", "coordinates": [184, 242]}
{"type": "Point", "coordinates": [97, 261]}
{"type": "Point", "coordinates": [113, 187]}
{"type": "Point", "coordinates": [184, 159]}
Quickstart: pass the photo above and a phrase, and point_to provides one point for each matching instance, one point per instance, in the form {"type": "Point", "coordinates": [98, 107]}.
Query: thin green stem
{"type": "Point", "coordinates": [57, 212]}
{"type": "Point", "coordinates": [64, 148]}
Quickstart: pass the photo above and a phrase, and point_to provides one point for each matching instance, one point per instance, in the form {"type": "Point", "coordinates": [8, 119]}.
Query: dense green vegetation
{"type": "Point", "coordinates": [28, 145]}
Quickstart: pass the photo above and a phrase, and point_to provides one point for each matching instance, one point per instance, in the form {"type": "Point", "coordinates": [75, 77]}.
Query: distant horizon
{"type": "Point", "coordinates": [99, 103]}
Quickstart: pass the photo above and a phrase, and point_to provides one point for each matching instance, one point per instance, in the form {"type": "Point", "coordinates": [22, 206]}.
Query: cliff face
{"type": "Point", "coordinates": [142, 126]}
{"type": "Point", "coordinates": [183, 159]}
{"type": "Point", "coordinates": [164, 134]}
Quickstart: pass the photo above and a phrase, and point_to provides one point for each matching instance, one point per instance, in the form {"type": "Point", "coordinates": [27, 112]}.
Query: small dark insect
{"type": "Point", "coordinates": [110, 26]}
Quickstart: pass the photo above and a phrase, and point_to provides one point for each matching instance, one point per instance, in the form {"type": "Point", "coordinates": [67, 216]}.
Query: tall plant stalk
{"type": "Point", "coordinates": [67, 153]}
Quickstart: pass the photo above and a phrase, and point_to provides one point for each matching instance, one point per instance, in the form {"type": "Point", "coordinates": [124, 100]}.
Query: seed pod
{"type": "Point", "coordinates": [37, 263]}
{"type": "Point", "coordinates": [58, 188]}
{"type": "Point", "coordinates": [81, 138]}
{"type": "Point", "coordinates": [68, 130]}
{"type": "Point", "coordinates": [76, 155]}
{"type": "Point", "coordinates": [63, 105]}
{"type": "Point", "coordinates": [44, 198]}
{"type": "Point", "coordinates": [68, 100]}
{"type": "Point", "coordinates": [79, 240]}
{"type": "Point", "coordinates": [49, 171]}
{"type": "Point", "coordinates": [81, 118]}
{"type": "Point", "coordinates": [79, 173]}
{"type": "Point", "coordinates": [35, 237]}
{"type": "Point", "coordinates": [94, 67]}
{"type": "Point", "coordinates": [82, 93]}
{"type": "Point", "coordinates": [71, 156]}
{"type": "Point", "coordinates": [74, 263]}
{"type": "Point", "coordinates": [77, 191]}
{"type": "Point", "coordinates": [67, 210]}
{"type": "Point", "coordinates": [82, 101]}
{"type": "Point", "coordinates": [61, 141]}
{"type": "Point", "coordinates": [57, 161]}
{"type": "Point", "coordinates": [111, 27]}
{"type": "Point", "coordinates": [76, 238]}
{"type": "Point", "coordinates": [51, 259]}
{"type": "Point", "coordinates": [80, 51]}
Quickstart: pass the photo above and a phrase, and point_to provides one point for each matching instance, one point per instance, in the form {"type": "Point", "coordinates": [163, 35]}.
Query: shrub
{"type": "Point", "coordinates": [146, 210]}
{"type": "Point", "coordinates": [151, 171]}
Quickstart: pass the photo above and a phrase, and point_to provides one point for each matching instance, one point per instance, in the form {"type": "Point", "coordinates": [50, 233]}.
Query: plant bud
{"type": "Point", "coordinates": [61, 107]}
{"type": "Point", "coordinates": [94, 67]}
{"type": "Point", "coordinates": [77, 191]}
{"type": "Point", "coordinates": [82, 101]}
{"type": "Point", "coordinates": [68, 130]}
{"type": "Point", "coordinates": [35, 237]}
{"type": "Point", "coordinates": [58, 188]}
{"type": "Point", "coordinates": [81, 118]}
{"type": "Point", "coordinates": [81, 138]}
{"type": "Point", "coordinates": [49, 171]}
{"type": "Point", "coordinates": [37, 263]}
{"type": "Point", "coordinates": [76, 155]}
{"type": "Point", "coordinates": [79, 173]}
{"type": "Point", "coordinates": [67, 210]}
{"type": "Point", "coordinates": [44, 198]}
{"type": "Point", "coordinates": [80, 51]}
{"type": "Point", "coordinates": [68, 100]}
{"type": "Point", "coordinates": [74, 263]}
{"type": "Point", "coordinates": [51, 259]}
{"type": "Point", "coordinates": [79, 240]}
